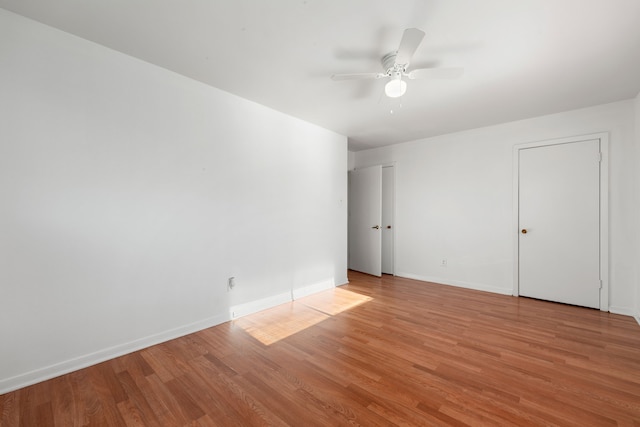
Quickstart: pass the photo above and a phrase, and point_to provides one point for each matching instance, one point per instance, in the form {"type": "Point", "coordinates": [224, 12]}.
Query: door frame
{"type": "Point", "coordinates": [394, 166]}
{"type": "Point", "coordinates": [604, 208]}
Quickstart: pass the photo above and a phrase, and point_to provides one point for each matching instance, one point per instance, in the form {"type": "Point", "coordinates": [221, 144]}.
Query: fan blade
{"type": "Point", "coordinates": [411, 39]}
{"type": "Point", "coordinates": [357, 76]}
{"type": "Point", "coordinates": [436, 73]}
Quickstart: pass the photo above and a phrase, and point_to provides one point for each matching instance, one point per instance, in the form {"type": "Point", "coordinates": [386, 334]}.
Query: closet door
{"type": "Point", "coordinates": [559, 222]}
{"type": "Point", "coordinates": [365, 220]}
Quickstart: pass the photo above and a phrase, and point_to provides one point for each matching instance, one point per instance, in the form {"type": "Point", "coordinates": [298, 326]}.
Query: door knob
{"type": "Point", "coordinates": [377, 227]}
{"type": "Point", "coordinates": [524, 231]}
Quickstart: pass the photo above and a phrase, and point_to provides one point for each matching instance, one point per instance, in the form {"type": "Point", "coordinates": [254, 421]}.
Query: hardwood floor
{"type": "Point", "coordinates": [376, 352]}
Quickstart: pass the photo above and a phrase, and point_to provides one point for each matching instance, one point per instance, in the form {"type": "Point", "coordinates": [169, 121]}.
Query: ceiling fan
{"type": "Point", "coordinates": [395, 66]}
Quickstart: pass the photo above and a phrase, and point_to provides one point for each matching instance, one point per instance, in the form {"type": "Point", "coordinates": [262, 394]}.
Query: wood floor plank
{"type": "Point", "coordinates": [205, 397]}
{"type": "Point", "coordinates": [376, 352]}
{"type": "Point", "coordinates": [136, 409]}
{"type": "Point", "coordinates": [27, 410]}
{"type": "Point", "coordinates": [63, 401]}
{"type": "Point", "coordinates": [44, 415]}
{"type": "Point", "coordinates": [229, 398]}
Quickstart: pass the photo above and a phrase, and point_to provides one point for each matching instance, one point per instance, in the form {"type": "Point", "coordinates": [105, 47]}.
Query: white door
{"type": "Point", "coordinates": [365, 220]}
{"type": "Point", "coordinates": [559, 223]}
{"type": "Point", "coordinates": [387, 219]}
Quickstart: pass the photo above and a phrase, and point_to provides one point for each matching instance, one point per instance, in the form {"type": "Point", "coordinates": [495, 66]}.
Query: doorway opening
{"type": "Point", "coordinates": [371, 220]}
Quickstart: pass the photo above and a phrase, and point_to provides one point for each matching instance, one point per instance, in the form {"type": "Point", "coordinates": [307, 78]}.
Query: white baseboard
{"type": "Point", "coordinates": [52, 371]}
{"type": "Point", "coordinates": [248, 308]}
{"type": "Point", "coordinates": [343, 281]}
{"type": "Point", "coordinates": [259, 305]}
{"type": "Point", "coordinates": [626, 311]}
{"type": "Point", "coordinates": [457, 283]}
{"type": "Point", "coordinates": [313, 289]}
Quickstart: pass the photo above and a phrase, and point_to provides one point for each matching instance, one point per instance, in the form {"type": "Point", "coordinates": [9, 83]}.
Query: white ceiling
{"type": "Point", "coordinates": [522, 58]}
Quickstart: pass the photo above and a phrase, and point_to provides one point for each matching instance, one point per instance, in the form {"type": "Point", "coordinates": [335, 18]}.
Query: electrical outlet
{"type": "Point", "coordinates": [443, 262]}
{"type": "Point", "coordinates": [231, 283]}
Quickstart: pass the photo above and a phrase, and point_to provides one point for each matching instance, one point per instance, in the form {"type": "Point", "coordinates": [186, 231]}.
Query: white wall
{"type": "Point", "coordinates": [454, 199]}
{"type": "Point", "coordinates": [637, 207]}
{"type": "Point", "coordinates": [351, 160]}
{"type": "Point", "coordinates": [130, 194]}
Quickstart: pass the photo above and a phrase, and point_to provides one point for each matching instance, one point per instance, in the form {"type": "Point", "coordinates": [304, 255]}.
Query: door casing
{"type": "Point", "coordinates": [604, 208]}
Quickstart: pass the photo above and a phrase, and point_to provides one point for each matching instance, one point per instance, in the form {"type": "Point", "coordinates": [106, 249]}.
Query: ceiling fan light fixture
{"type": "Point", "coordinates": [396, 87]}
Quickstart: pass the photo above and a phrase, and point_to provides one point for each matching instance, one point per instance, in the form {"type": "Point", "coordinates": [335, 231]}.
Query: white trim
{"type": "Point", "coordinates": [251, 307]}
{"type": "Point", "coordinates": [343, 281]}
{"type": "Point", "coordinates": [259, 305]}
{"type": "Point", "coordinates": [604, 221]}
{"type": "Point", "coordinates": [604, 208]}
{"type": "Point", "coordinates": [456, 283]}
{"type": "Point", "coordinates": [29, 378]}
{"type": "Point", "coordinates": [313, 289]}
{"type": "Point", "coordinates": [625, 311]}
{"type": "Point", "coordinates": [515, 220]}
{"type": "Point", "coordinates": [52, 371]}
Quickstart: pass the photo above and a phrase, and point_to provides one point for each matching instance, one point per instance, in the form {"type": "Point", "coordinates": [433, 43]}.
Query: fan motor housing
{"type": "Point", "coordinates": [389, 63]}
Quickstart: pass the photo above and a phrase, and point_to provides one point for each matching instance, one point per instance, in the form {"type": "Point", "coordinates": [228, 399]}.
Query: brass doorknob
{"type": "Point", "coordinates": [524, 231]}
{"type": "Point", "coordinates": [377, 227]}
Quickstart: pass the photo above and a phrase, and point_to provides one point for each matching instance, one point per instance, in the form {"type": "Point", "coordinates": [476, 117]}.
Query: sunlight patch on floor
{"type": "Point", "coordinates": [272, 325]}
{"type": "Point", "coordinates": [334, 301]}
